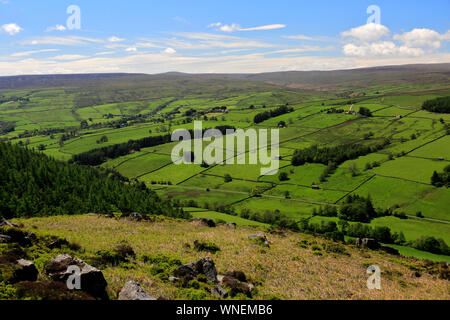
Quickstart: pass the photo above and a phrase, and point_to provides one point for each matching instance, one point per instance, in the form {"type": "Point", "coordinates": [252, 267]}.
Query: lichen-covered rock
{"type": "Point", "coordinates": [260, 238]}
{"type": "Point", "coordinates": [219, 292]}
{"type": "Point", "coordinates": [204, 266]}
{"type": "Point", "coordinates": [91, 279]}
{"type": "Point", "coordinates": [25, 271]}
{"type": "Point", "coordinates": [132, 290]}
{"type": "Point", "coordinates": [203, 222]}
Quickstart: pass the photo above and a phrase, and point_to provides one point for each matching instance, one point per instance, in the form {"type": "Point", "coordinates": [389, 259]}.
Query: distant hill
{"type": "Point", "coordinates": [417, 74]}
{"type": "Point", "coordinates": [310, 80]}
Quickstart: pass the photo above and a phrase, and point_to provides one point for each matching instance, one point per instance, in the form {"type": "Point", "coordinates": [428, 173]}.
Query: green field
{"type": "Point", "coordinates": [396, 177]}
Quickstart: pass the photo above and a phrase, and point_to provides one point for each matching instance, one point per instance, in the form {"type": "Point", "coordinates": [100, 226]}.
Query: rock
{"type": "Point", "coordinates": [136, 216]}
{"type": "Point", "coordinates": [5, 239]}
{"type": "Point", "coordinates": [239, 275]}
{"type": "Point", "coordinates": [367, 243]}
{"type": "Point", "coordinates": [92, 214]}
{"type": "Point", "coordinates": [18, 236]}
{"type": "Point", "coordinates": [132, 290]}
{"type": "Point", "coordinates": [237, 286]}
{"type": "Point", "coordinates": [204, 266]}
{"type": "Point", "coordinates": [231, 225]}
{"type": "Point", "coordinates": [390, 250]}
{"type": "Point", "coordinates": [4, 222]}
{"type": "Point", "coordinates": [174, 279]}
{"type": "Point", "coordinates": [91, 278]}
{"type": "Point", "coordinates": [25, 271]}
{"type": "Point", "coordinates": [203, 222]}
{"type": "Point", "coordinates": [58, 243]}
{"type": "Point", "coordinates": [260, 238]}
{"type": "Point", "coordinates": [219, 292]}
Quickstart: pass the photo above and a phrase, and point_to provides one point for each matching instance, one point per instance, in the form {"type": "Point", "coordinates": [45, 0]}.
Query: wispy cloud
{"type": "Point", "coordinates": [58, 27]}
{"type": "Point", "coordinates": [28, 53]}
{"type": "Point", "coordinates": [236, 27]}
{"type": "Point", "coordinates": [115, 39]}
{"type": "Point", "coordinates": [63, 41]}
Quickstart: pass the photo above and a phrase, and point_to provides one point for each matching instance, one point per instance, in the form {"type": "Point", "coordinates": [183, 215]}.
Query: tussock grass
{"type": "Point", "coordinates": [286, 270]}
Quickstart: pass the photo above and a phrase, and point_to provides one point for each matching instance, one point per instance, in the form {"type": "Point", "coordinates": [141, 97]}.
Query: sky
{"type": "Point", "coordinates": [147, 36]}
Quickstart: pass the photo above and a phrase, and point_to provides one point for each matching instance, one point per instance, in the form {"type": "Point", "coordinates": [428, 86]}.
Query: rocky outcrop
{"type": "Point", "coordinates": [136, 216]}
{"type": "Point", "coordinates": [58, 243]}
{"type": "Point", "coordinates": [367, 243]}
{"type": "Point", "coordinates": [132, 290]}
{"type": "Point", "coordinates": [204, 266]}
{"type": "Point", "coordinates": [4, 222]}
{"type": "Point", "coordinates": [91, 279]}
{"type": "Point", "coordinates": [5, 239]}
{"type": "Point", "coordinates": [203, 222]}
{"type": "Point", "coordinates": [219, 292]}
{"type": "Point", "coordinates": [231, 225]}
{"type": "Point", "coordinates": [25, 271]}
{"type": "Point", "coordinates": [260, 238]}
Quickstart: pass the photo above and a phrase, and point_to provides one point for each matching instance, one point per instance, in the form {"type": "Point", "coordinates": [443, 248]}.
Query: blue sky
{"type": "Point", "coordinates": [219, 36]}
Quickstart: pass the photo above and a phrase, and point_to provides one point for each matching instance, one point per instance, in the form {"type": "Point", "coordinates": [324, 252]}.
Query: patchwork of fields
{"type": "Point", "coordinates": [399, 180]}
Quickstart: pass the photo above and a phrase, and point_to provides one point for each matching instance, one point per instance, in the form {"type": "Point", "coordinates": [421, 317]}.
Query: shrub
{"type": "Point", "coordinates": [206, 246]}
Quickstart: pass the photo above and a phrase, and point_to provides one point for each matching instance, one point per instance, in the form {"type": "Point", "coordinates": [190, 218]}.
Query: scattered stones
{"type": "Point", "coordinates": [132, 290]}
{"type": "Point", "coordinates": [231, 225]}
{"type": "Point", "coordinates": [219, 292]}
{"type": "Point", "coordinates": [25, 271]}
{"type": "Point", "coordinates": [204, 222]}
{"type": "Point", "coordinates": [204, 266]}
{"type": "Point", "coordinates": [91, 278]}
{"type": "Point", "coordinates": [4, 222]}
{"type": "Point", "coordinates": [260, 238]}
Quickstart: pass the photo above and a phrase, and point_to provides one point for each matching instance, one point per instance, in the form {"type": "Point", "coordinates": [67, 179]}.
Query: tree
{"type": "Point", "coordinates": [353, 168]}
{"type": "Point", "coordinates": [365, 112]}
{"type": "Point", "coordinates": [436, 179]}
{"type": "Point", "coordinates": [228, 178]}
{"type": "Point", "coordinates": [283, 176]}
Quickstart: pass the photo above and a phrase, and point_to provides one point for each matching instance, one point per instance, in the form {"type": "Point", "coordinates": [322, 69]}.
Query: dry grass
{"type": "Point", "coordinates": [285, 270]}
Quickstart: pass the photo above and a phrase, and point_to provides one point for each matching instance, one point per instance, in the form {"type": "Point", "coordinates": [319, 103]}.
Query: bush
{"type": "Point", "coordinates": [206, 246]}
{"type": "Point", "coordinates": [431, 244]}
{"type": "Point", "coordinates": [121, 253]}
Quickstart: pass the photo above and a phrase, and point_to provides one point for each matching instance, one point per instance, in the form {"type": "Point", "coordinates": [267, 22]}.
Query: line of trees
{"type": "Point", "coordinates": [32, 184]}
{"type": "Point", "coordinates": [263, 116]}
{"type": "Point", "coordinates": [337, 155]}
{"type": "Point", "coordinates": [438, 105]}
{"type": "Point", "coordinates": [98, 156]}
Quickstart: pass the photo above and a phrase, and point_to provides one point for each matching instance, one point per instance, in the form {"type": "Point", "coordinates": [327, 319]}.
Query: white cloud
{"type": "Point", "coordinates": [235, 27]}
{"type": "Point", "coordinates": [367, 33]}
{"type": "Point", "coordinates": [68, 57]}
{"type": "Point", "coordinates": [115, 39]}
{"type": "Point", "coordinates": [299, 37]}
{"type": "Point", "coordinates": [63, 41]}
{"type": "Point", "coordinates": [11, 29]}
{"type": "Point", "coordinates": [27, 53]}
{"type": "Point", "coordinates": [58, 27]}
{"type": "Point", "coordinates": [170, 51]}
{"type": "Point", "coordinates": [380, 48]}
{"type": "Point", "coordinates": [422, 38]}
{"type": "Point", "coordinates": [131, 49]}
{"type": "Point", "coordinates": [104, 53]}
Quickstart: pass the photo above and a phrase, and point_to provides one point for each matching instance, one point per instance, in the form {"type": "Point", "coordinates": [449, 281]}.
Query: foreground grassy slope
{"type": "Point", "coordinates": [296, 266]}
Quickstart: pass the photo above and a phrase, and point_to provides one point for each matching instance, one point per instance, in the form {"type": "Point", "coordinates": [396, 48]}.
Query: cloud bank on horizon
{"type": "Point", "coordinates": [85, 39]}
